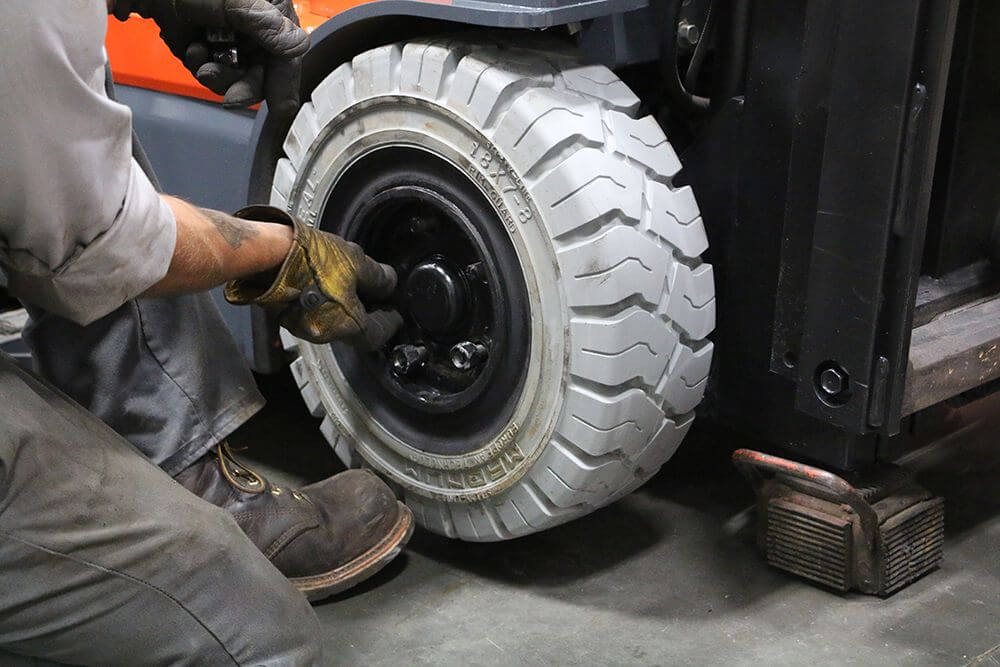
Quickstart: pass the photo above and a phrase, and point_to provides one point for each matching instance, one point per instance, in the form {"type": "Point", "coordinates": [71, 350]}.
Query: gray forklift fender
{"type": "Point", "coordinates": [378, 23]}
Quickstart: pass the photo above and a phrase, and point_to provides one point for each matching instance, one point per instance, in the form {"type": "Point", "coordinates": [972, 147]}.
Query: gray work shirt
{"type": "Point", "coordinates": [82, 230]}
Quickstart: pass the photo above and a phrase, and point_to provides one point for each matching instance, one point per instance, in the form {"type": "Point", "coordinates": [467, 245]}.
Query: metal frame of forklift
{"type": "Point", "coordinates": [852, 145]}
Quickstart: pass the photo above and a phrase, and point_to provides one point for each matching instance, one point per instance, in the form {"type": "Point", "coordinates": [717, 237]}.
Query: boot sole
{"type": "Point", "coordinates": [352, 573]}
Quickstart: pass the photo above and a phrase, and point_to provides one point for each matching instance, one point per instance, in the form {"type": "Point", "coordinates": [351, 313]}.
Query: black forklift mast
{"type": "Point", "coordinates": [838, 162]}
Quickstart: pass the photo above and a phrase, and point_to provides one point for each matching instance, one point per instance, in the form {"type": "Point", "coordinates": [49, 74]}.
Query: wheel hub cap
{"type": "Point", "coordinates": [436, 295]}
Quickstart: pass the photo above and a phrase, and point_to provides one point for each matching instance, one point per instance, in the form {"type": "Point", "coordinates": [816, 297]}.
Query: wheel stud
{"type": "Point", "coordinates": [467, 354]}
{"type": "Point", "coordinates": [408, 358]}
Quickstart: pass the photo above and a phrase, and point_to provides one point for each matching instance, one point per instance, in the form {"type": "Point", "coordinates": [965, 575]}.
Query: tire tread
{"type": "Point", "coordinates": [641, 302]}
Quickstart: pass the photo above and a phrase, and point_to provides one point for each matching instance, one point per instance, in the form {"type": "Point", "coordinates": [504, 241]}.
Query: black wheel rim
{"type": "Point", "coordinates": [449, 381]}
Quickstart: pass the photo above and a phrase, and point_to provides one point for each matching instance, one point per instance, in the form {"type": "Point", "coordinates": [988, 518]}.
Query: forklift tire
{"type": "Point", "coordinates": [602, 261]}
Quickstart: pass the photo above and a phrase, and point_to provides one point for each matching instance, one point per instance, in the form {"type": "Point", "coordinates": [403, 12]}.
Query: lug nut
{"type": "Point", "coordinates": [467, 354]}
{"type": "Point", "coordinates": [408, 358]}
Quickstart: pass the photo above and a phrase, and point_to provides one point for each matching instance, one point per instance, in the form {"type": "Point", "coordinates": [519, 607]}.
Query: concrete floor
{"type": "Point", "coordinates": [669, 575]}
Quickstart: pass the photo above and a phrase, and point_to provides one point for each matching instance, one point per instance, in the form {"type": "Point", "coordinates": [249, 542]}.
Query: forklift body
{"type": "Point", "coordinates": [842, 154]}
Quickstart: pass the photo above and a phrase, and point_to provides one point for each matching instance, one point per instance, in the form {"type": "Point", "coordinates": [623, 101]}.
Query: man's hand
{"type": "Point", "coordinates": [315, 292]}
{"type": "Point", "coordinates": [269, 38]}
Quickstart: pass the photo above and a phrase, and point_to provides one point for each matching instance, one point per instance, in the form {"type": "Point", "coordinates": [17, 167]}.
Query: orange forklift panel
{"type": "Point", "coordinates": [139, 58]}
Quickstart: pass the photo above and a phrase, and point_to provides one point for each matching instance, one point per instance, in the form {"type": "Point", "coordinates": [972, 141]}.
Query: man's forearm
{"type": "Point", "coordinates": [213, 247]}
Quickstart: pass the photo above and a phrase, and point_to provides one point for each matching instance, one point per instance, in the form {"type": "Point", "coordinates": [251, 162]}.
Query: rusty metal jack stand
{"type": "Point", "coordinates": [875, 537]}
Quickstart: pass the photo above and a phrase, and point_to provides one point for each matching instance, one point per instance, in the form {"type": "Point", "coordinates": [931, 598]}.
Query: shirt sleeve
{"type": "Point", "coordinates": [82, 230]}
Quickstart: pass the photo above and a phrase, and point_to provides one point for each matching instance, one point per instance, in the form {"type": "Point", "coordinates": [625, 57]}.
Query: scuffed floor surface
{"type": "Point", "coordinates": [669, 575]}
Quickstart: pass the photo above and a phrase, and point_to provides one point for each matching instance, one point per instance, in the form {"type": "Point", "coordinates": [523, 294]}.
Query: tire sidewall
{"type": "Point", "coordinates": [394, 120]}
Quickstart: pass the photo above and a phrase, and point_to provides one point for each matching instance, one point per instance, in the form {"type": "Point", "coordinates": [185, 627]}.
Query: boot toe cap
{"type": "Point", "coordinates": [360, 508]}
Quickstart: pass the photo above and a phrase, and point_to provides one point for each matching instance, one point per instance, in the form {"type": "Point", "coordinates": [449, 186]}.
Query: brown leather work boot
{"type": "Point", "coordinates": [325, 537]}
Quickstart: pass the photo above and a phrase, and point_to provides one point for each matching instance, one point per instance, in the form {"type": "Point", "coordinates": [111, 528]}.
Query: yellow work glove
{"type": "Point", "coordinates": [315, 292]}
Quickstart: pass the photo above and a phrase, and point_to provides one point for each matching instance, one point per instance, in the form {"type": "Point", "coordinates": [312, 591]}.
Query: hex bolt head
{"type": "Point", "coordinates": [833, 381]}
{"type": "Point", "coordinates": [408, 358]}
{"type": "Point", "coordinates": [688, 34]}
{"type": "Point", "coordinates": [467, 354]}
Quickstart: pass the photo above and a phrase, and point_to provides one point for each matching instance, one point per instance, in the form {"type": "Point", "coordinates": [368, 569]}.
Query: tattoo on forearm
{"type": "Point", "coordinates": [233, 230]}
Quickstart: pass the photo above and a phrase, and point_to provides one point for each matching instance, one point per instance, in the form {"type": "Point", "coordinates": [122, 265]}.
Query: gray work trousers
{"type": "Point", "coordinates": [106, 560]}
{"type": "Point", "coordinates": [164, 373]}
